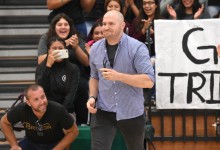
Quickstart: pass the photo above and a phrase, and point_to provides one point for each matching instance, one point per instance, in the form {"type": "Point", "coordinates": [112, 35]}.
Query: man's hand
{"type": "Point", "coordinates": [110, 74]}
{"type": "Point", "coordinates": [91, 105]}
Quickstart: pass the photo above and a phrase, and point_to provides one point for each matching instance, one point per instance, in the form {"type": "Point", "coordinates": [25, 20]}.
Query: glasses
{"type": "Point", "coordinates": [39, 128]}
{"type": "Point", "coordinates": [150, 3]}
{"type": "Point", "coordinates": [105, 62]}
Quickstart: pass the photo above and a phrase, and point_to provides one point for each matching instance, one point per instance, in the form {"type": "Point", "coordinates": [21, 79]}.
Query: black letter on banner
{"type": "Point", "coordinates": [172, 75]}
{"type": "Point", "coordinates": [186, 49]}
{"type": "Point", "coordinates": [215, 54]}
{"type": "Point", "coordinates": [191, 90]}
{"type": "Point", "coordinates": [211, 101]}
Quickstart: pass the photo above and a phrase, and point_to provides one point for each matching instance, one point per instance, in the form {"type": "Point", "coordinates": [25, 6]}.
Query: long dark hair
{"type": "Point", "coordinates": [54, 39]}
{"type": "Point", "coordinates": [180, 11]}
{"type": "Point", "coordinates": [139, 23]}
{"type": "Point", "coordinates": [52, 32]}
{"type": "Point", "coordinates": [96, 24]}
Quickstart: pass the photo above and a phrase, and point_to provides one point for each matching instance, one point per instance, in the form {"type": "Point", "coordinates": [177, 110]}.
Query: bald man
{"type": "Point", "coordinates": [120, 68]}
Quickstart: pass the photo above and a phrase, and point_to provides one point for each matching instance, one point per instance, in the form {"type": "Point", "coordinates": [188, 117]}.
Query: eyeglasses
{"type": "Point", "coordinates": [150, 3]}
{"type": "Point", "coordinates": [105, 62]}
{"type": "Point", "coordinates": [39, 127]}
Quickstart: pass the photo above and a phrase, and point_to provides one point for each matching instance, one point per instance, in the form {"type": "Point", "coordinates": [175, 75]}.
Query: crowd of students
{"type": "Point", "coordinates": [140, 15]}
{"type": "Point", "coordinates": [77, 25]}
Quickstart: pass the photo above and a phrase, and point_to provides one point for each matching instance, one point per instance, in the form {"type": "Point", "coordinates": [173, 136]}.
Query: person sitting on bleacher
{"type": "Point", "coordinates": [47, 124]}
{"type": "Point", "coordinates": [58, 76]}
{"type": "Point", "coordinates": [62, 26]}
{"type": "Point", "coordinates": [187, 10]}
{"type": "Point", "coordinates": [95, 34]}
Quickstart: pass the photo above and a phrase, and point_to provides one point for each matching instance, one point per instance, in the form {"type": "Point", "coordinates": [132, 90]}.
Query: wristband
{"type": "Point", "coordinates": [93, 97]}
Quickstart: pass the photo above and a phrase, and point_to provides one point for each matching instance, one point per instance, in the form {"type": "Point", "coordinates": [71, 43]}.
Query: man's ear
{"type": "Point", "coordinates": [28, 102]}
{"type": "Point", "coordinates": [123, 25]}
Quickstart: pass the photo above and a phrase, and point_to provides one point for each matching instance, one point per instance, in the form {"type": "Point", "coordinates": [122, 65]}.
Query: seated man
{"type": "Point", "coordinates": [47, 124]}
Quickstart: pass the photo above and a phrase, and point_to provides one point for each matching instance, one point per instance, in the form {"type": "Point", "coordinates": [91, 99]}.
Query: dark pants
{"type": "Point", "coordinates": [80, 102]}
{"type": "Point", "coordinates": [27, 144]}
{"type": "Point", "coordinates": [104, 127]}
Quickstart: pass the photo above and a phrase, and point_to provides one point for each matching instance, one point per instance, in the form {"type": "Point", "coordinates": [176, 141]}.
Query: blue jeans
{"type": "Point", "coordinates": [27, 144]}
{"type": "Point", "coordinates": [104, 128]}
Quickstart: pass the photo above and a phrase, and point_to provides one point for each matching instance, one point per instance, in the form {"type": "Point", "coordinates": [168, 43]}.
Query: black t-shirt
{"type": "Point", "coordinates": [60, 82]}
{"type": "Point", "coordinates": [72, 9]}
{"type": "Point", "coordinates": [55, 119]}
{"type": "Point", "coordinates": [111, 51]}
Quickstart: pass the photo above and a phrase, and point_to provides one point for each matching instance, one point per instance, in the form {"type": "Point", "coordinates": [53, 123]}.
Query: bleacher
{"type": "Point", "coordinates": [22, 22]}
{"type": "Point", "coordinates": [21, 25]}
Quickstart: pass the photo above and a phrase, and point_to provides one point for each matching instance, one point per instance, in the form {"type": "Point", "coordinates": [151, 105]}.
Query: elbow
{"type": "Point", "coordinates": [41, 58]}
{"type": "Point", "coordinates": [149, 84]}
{"type": "Point", "coordinates": [77, 133]}
{"type": "Point", "coordinates": [86, 63]}
{"type": "Point", "coordinates": [50, 7]}
{"type": "Point", "coordinates": [3, 123]}
{"type": "Point", "coordinates": [76, 130]}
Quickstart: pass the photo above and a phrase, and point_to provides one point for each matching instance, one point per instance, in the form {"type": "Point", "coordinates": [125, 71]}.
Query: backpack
{"type": "Point", "coordinates": [149, 133]}
{"type": "Point", "coordinates": [149, 129]}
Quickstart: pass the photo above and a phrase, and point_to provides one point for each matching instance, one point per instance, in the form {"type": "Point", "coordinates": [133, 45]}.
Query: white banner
{"type": "Point", "coordinates": [187, 65]}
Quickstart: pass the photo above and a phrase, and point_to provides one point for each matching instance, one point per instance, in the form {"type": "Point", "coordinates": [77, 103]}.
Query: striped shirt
{"type": "Point", "coordinates": [132, 57]}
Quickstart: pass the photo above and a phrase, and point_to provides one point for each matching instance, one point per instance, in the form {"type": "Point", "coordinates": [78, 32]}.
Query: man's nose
{"type": "Point", "coordinates": [42, 101]}
{"type": "Point", "coordinates": [106, 27]}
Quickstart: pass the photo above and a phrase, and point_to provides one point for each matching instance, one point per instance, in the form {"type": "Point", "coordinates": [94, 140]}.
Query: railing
{"type": "Point", "coordinates": [185, 125]}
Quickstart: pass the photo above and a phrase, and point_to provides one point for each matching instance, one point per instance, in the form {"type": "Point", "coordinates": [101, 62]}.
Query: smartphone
{"type": "Point", "coordinates": [63, 53]}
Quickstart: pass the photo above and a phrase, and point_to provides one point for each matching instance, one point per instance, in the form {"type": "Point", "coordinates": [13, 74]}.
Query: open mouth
{"type": "Point", "coordinates": [63, 32]}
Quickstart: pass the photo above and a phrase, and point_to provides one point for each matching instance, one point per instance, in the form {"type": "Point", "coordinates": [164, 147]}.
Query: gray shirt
{"type": "Point", "coordinates": [42, 45]}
